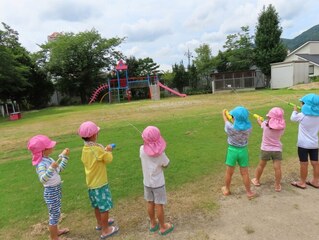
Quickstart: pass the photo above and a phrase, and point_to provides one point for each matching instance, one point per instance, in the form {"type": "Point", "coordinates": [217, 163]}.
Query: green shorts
{"type": "Point", "coordinates": [237, 154]}
{"type": "Point", "coordinates": [101, 198]}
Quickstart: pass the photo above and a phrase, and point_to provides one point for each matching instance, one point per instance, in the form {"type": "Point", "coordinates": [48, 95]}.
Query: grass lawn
{"type": "Point", "coordinates": [192, 127]}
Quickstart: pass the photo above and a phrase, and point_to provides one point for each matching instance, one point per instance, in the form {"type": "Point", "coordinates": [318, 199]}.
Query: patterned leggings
{"type": "Point", "coordinates": [52, 197]}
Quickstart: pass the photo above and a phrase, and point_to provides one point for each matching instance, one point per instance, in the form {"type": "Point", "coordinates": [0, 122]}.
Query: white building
{"type": "Point", "coordinates": [298, 66]}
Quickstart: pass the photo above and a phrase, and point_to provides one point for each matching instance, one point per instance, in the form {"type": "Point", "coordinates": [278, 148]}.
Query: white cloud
{"type": "Point", "coordinates": [163, 30]}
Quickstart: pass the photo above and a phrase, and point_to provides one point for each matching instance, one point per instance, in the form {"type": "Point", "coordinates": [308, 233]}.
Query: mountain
{"type": "Point", "coordinates": [311, 34]}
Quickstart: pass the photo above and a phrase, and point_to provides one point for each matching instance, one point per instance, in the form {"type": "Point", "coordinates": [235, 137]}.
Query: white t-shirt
{"type": "Point", "coordinates": [153, 175]}
{"type": "Point", "coordinates": [308, 130]}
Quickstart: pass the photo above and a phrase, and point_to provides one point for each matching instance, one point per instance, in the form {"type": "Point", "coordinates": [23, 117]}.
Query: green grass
{"type": "Point", "coordinates": [196, 145]}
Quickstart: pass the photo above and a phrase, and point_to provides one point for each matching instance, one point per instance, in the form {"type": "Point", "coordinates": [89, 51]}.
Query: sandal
{"type": "Point", "coordinates": [110, 222]}
{"type": "Point", "coordinates": [167, 231]}
{"type": "Point", "coordinates": [255, 182]}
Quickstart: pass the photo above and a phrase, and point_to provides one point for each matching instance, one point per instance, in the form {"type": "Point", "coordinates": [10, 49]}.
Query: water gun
{"type": "Point", "coordinates": [258, 117]}
{"type": "Point", "coordinates": [293, 105]}
{"type": "Point", "coordinates": [113, 145]}
{"type": "Point", "coordinates": [228, 116]}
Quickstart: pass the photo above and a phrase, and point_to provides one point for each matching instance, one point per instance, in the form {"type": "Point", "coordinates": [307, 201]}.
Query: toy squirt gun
{"type": "Point", "coordinates": [294, 105]}
{"type": "Point", "coordinates": [258, 117]}
{"type": "Point", "coordinates": [228, 116]}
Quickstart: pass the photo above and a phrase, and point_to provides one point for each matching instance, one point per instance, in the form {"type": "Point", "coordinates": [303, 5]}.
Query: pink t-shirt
{"type": "Point", "coordinates": [271, 138]}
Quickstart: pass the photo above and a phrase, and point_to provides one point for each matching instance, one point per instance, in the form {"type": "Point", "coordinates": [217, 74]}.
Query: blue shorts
{"type": "Point", "coordinates": [101, 198]}
{"type": "Point", "coordinates": [52, 197]}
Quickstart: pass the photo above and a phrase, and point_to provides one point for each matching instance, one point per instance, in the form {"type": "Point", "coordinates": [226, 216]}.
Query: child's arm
{"type": "Point", "coordinates": [165, 161]}
{"type": "Point", "coordinates": [45, 173]}
{"type": "Point", "coordinates": [65, 157]}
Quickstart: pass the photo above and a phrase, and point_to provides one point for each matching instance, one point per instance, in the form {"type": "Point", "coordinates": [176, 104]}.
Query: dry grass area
{"type": "Point", "coordinates": [306, 86]}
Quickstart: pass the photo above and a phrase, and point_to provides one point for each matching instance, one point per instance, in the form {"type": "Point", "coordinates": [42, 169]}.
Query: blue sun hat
{"type": "Point", "coordinates": [311, 104]}
{"type": "Point", "coordinates": [241, 115]}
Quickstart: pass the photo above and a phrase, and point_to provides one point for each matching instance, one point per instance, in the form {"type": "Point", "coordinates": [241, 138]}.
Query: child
{"type": "Point", "coordinates": [48, 171]}
{"type": "Point", "coordinates": [153, 160]}
{"type": "Point", "coordinates": [307, 142]}
{"type": "Point", "coordinates": [271, 147]}
{"type": "Point", "coordinates": [95, 158]}
{"type": "Point", "coordinates": [238, 134]}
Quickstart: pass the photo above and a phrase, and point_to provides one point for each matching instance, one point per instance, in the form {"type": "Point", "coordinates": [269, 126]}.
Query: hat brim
{"type": "Point", "coordinates": [310, 110]}
{"type": "Point", "coordinates": [242, 126]}
{"type": "Point", "coordinates": [155, 149]}
{"type": "Point", "coordinates": [276, 124]}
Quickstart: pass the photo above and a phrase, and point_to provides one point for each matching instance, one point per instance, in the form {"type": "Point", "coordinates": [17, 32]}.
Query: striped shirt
{"type": "Point", "coordinates": [49, 176]}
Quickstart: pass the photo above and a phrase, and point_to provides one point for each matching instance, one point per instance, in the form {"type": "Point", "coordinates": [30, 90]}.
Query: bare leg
{"type": "Point", "coordinates": [245, 175]}
{"type": "Point", "coordinates": [315, 166]}
{"type": "Point", "coordinates": [98, 216]}
{"type": "Point", "coordinates": [53, 232]}
{"type": "Point", "coordinates": [259, 170]}
{"type": "Point", "coordinates": [228, 176]}
{"type": "Point", "coordinates": [151, 213]}
{"type": "Point", "coordinates": [303, 173]}
{"type": "Point", "coordinates": [277, 168]}
{"type": "Point", "coordinates": [160, 215]}
{"type": "Point", "coordinates": [104, 223]}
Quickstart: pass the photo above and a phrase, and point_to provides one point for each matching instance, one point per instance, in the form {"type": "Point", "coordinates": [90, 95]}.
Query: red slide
{"type": "Point", "coordinates": [171, 90]}
{"type": "Point", "coordinates": [97, 92]}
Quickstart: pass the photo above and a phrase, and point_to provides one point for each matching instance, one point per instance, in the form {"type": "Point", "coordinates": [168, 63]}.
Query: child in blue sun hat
{"type": "Point", "coordinates": [307, 142]}
{"type": "Point", "coordinates": [237, 152]}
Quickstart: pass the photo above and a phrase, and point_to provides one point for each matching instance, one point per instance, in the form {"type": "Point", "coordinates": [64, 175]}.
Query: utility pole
{"type": "Point", "coordinates": [188, 54]}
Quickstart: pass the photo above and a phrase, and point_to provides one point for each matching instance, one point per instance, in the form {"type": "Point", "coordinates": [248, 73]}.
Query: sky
{"type": "Point", "coordinates": [164, 30]}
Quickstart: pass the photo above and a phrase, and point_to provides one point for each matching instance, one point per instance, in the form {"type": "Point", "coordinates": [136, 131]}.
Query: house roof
{"type": "Point", "coordinates": [313, 58]}
{"type": "Point", "coordinates": [302, 46]}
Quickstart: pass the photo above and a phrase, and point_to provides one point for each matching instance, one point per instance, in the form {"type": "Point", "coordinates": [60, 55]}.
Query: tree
{"type": "Point", "coordinates": [179, 76]}
{"type": "Point", "coordinates": [204, 62]}
{"type": "Point", "coordinates": [41, 88]}
{"type": "Point", "coordinates": [14, 65]}
{"type": "Point", "coordinates": [76, 62]}
{"type": "Point", "coordinates": [141, 67]}
{"type": "Point", "coordinates": [239, 51]}
{"type": "Point", "coordinates": [268, 45]}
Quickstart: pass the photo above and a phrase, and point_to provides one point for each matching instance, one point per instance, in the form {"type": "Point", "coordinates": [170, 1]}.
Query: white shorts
{"type": "Point", "coordinates": [156, 195]}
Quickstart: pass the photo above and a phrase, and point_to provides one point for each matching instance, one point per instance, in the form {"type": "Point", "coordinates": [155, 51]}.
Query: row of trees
{"type": "Point", "coordinates": [75, 64]}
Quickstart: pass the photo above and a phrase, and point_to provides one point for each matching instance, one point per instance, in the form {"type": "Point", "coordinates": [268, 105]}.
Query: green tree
{"type": "Point", "coordinates": [141, 67]}
{"type": "Point", "coordinates": [204, 62]}
{"type": "Point", "coordinates": [179, 76]}
{"type": "Point", "coordinates": [268, 45]}
{"type": "Point", "coordinates": [14, 65]}
{"type": "Point", "coordinates": [77, 62]}
{"type": "Point", "coordinates": [41, 88]}
{"type": "Point", "coordinates": [239, 51]}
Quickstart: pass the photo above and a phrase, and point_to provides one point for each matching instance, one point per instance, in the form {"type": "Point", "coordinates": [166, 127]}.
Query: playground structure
{"type": "Point", "coordinates": [120, 89]}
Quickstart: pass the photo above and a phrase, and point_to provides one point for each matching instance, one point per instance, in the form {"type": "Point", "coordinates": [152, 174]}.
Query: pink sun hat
{"type": "Point", "coordinates": [276, 118]}
{"type": "Point", "coordinates": [37, 145]}
{"type": "Point", "coordinates": [154, 144]}
{"type": "Point", "coordinates": [88, 129]}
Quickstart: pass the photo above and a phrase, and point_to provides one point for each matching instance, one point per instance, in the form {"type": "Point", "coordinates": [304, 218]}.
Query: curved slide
{"type": "Point", "coordinates": [171, 90]}
{"type": "Point", "coordinates": [97, 91]}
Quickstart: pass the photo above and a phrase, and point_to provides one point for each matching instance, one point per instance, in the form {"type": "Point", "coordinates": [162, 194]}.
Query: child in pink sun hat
{"type": "Point", "coordinates": [95, 158]}
{"type": "Point", "coordinates": [154, 160]}
{"type": "Point", "coordinates": [271, 146]}
{"type": "Point", "coordinates": [48, 171]}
